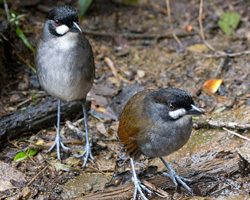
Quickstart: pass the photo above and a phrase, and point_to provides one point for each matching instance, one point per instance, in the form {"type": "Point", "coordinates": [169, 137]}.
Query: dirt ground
{"type": "Point", "coordinates": [134, 49]}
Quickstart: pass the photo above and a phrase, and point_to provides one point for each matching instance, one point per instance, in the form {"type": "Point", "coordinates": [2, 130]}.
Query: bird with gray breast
{"type": "Point", "coordinates": [157, 123]}
{"type": "Point", "coordinates": [65, 65]}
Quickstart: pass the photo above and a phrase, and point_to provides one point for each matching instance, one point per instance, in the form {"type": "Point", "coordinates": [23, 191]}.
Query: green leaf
{"type": "Point", "coordinates": [20, 156]}
{"type": "Point", "coordinates": [24, 39]}
{"type": "Point", "coordinates": [228, 22]}
{"type": "Point", "coordinates": [33, 98]}
{"type": "Point", "coordinates": [20, 16]}
{"type": "Point", "coordinates": [33, 152]}
{"type": "Point", "coordinates": [84, 5]}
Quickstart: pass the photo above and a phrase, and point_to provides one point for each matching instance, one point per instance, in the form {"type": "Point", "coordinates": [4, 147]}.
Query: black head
{"type": "Point", "coordinates": [62, 20]}
{"type": "Point", "coordinates": [175, 103]}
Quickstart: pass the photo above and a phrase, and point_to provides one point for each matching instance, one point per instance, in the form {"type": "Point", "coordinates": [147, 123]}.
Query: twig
{"type": "Point", "coordinates": [23, 102]}
{"type": "Point", "coordinates": [201, 27]}
{"type": "Point", "coordinates": [110, 63]}
{"type": "Point", "coordinates": [221, 66]}
{"type": "Point", "coordinates": [100, 171]}
{"type": "Point", "coordinates": [171, 25]}
{"type": "Point", "coordinates": [237, 134]}
{"type": "Point", "coordinates": [137, 35]}
{"type": "Point", "coordinates": [164, 11]}
{"type": "Point", "coordinates": [78, 131]}
{"type": "Point", "coordinates": [24, 152]}
{"type": "Point", "coordinates": [200, 21]}
{"type": "Point", "coordinates": [223, 54]}
{"type": "Point", "coordinates": [160, 192]}
{"type": "Point", "coordinates": [27, 92]}
{"type": "Point", "coordinates": [6, 9]}
{"type": "Point", "coordinates": [218, 53]}
{"type": "Point", "coordinates": [34, 178]}
{"type": "Point", "coordinates": [26, 62]}
{"type": "Point", "coordinates": [220, 189]}
{"type": "Point", "coordinates": [216, 124]}
{"type": "Point", "coordinates": [49, 144]}
{"type": "Point", "coordinates": [232, 125]}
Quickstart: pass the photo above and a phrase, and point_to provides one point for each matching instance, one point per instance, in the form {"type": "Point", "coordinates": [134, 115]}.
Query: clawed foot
{"type": "Point", "coordinates": [139, 187]}
{"type": "Point", "coordinates": [86, 154]}
{"type": "Point", "coordinates": [58, 143]}
{"type": "Point", "coordinates": [176, 178]}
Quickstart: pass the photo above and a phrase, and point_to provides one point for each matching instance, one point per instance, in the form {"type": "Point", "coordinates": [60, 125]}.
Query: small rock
{"type": "Point", "coordinates": [141, 73]}
{"type": "Point", "coordinates": [14, 97]}
{"type": "Point", "coordinates": [22, 86]}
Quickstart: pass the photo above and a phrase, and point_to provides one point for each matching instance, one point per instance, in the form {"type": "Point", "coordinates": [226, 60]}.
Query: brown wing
{"type": "Point", "coordinates": [132, 123]}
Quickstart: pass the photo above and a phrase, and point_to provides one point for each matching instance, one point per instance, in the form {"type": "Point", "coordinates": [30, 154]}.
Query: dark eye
{"type": "Point", "coordinates": [171, 107]}
{"type": "Point", "coordinates": [57, 22]}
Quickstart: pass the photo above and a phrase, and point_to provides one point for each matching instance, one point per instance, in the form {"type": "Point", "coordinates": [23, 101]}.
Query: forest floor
{"type": "Point", "coordinates": [134, 49]}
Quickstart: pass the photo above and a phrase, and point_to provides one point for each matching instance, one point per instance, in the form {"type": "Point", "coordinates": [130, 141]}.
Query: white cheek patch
{"type": "Point", "coordinates": [177, 113]}
{"type": "Point", "coordinates": [61, 30]}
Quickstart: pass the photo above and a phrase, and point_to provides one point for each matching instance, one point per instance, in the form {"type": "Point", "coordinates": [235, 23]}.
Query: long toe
{"type": "Point", "coordinates": [139, 187]}
{"type": "Point", "coordinates": [64, 147]}
{"type": "Point", "coordinates": [52, 147]}
{"type": "Point", "coordinates": [176, 178]}
{"type": "Point", "coordinates": [58, 143]}
{"type": "Point", "coordinates": [87, 154]}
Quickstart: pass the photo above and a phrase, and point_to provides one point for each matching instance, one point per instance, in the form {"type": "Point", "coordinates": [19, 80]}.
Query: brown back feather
{"type": "Point", "coordinates": [132, 124]}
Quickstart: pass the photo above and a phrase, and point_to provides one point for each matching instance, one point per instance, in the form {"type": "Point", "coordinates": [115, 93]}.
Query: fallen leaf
{"type": "Point", "coordinates": [101, 128]}
{"type": "Point", "coordinates": [228, 22]}
{"type": "Point", "coordinates": [8, 173]}
{"type": "Point", "coordinates": [212, 86]}
{"type": "Point", "coordinates": [198, 48]}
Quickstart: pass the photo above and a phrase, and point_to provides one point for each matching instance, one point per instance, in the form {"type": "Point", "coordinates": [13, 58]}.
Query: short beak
{"type": "Point", "coordinates": [194, 111]}
{"type": "Point", "coordinates": [75, 28]}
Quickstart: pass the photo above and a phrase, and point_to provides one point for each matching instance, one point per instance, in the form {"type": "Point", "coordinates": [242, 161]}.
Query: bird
{"type": "Point", "coordinates": [156, 123]}
{"type": "Point", "coordinates": [65, 66]}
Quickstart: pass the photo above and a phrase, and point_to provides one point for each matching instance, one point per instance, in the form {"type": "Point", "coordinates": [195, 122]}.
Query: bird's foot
{"type": "Point", "coordinates": [139, 187]}
{"type": "Point", "coordinates": [176, 178]}
{"type": "Point", "coordinates": [86, 154]}
{"type": "Point", "coordinates": [58, 143]}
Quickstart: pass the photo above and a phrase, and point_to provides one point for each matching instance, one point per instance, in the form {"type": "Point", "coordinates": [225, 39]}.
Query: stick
{"type": "Point", "coordinates": [229, 55]}
{"type": "Point", "coordinates": [6, 9]}
{"type": "Point", "coordinates": [24, 152]}
{"type": "Point", "coordinates": [100, 171]}
{"type": "Point", "coordinates": [219, 53]}
{"type": "Point", "coordinates": [34, 178]}
{"type": "Point", "coordinates": [171, 25]}
{"type": "Point", "coordinates": [137, 35]}
{"type": "Point", "coordinates": [160, 192]}
{"type": "Point", "coordinates": [237, 134]}
{"type": "Point", "coordinates": [200, 21]}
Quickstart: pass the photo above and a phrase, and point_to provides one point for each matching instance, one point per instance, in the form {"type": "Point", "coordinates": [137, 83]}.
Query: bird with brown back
{"type": "Point", "coordinates": [157, 123]}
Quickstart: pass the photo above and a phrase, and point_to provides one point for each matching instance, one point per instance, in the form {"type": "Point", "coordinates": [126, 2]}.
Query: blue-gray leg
{"type": "Point", "coordinates": [138, 185]}
{"type": "Point", "coordinates": [87, 151]}
{"type": "Point", "coordinates": [172, 174]}
{"type": "Point", "coordinates": [58, 140]}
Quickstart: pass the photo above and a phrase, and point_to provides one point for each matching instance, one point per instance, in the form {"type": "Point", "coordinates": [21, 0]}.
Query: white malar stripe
{"type": "Point", "coordinates": [61, 30]}
{"type": "Point", "coordinates": [177, 113]}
